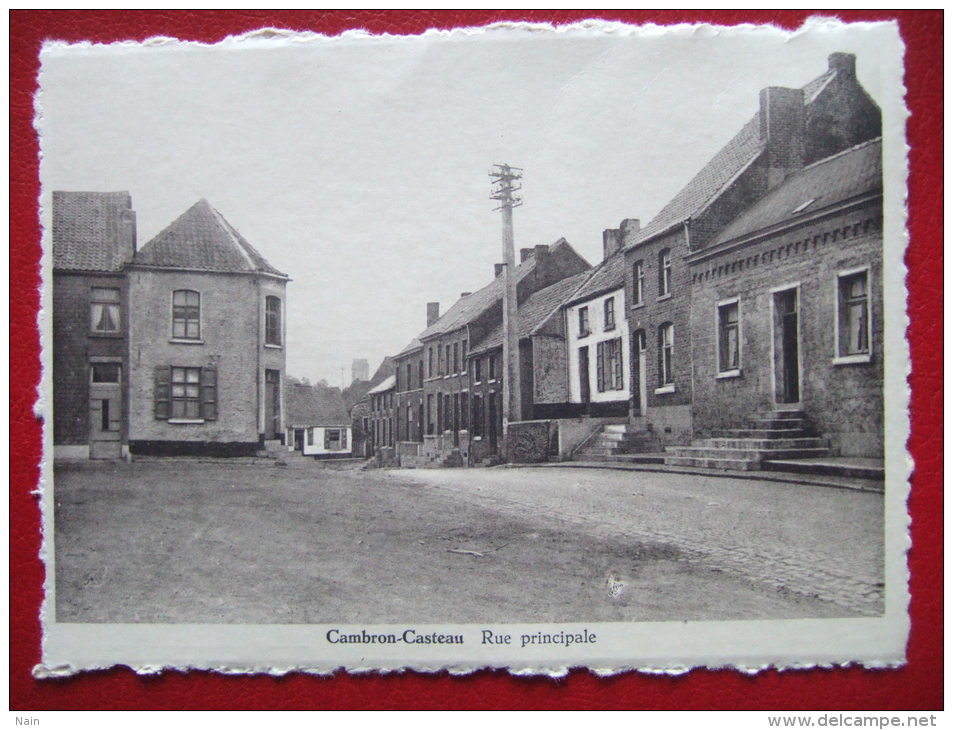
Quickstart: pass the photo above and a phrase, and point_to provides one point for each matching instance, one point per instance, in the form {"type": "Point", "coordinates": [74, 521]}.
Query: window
{"type": "Point", "coordinates": [272, 321]}
{"type": "Point", "coordinates": [429, 362]}
{"type": "Point", "coordinates": [335, 439]}
{"type": "Point", "coordinates": [310, 437]}
{"type": "Point", "coordinates": [463, 356]}
{"type": "Point", "coordinates": [104, 310]}
{"type": "Point", "coordinates": [608, 307]}
{"type": "Point", "coordinates": [664, 272]}
{"type": "Point", "coordinates": [609, 365]}
{"type": "Point", "coordinates": [477, 369]}
{"type": "Point", "coordinates": [464, 412]}
{"type": "Point", "coordinates": [491, 367]}
{"type": "Point", "coordinates": [729, 353]}
{"type": "Point", "coordinates": [456, 357]}
{"type": "Point", "coordinates": [666, 344]}
{"type": "Point", "coordinates": [104, 372]}
{"type": "Point", "coordinates": [185, 393]}
{"type": "Point", "coordinates": [638, 282]}
{"type": "Point", "coordinates": [447, 360]}
{"type": "Point", "coordinates": [477, 416]}
{"type": "Point", "coordinates": [185, 315]}
{"type": "Point", "coordinates": [430, 413]}
{"type": "Point", "coordinates": [420, 373]}
{"type": "Point", "coordinates": [583, 321]}
{"type": "Point", "coordinates": [410, 375]}
{"type": "Point", "coordinates": [853, 314]}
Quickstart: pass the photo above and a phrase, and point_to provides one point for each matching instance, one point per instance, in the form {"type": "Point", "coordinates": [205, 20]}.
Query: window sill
{"type": "Point", "coordinates": [663, 297]}
{"type": "Point", "coordinates": [107, 335]}
{"type": "Point", "coordinates": [180, 421]}
{"type": "Point", "coordinates": [270, 346]}
{"type": "Point", "coordinates": [583, 335]}
{"type": "Point", "coordinates": [860, 359]}
{"type": "Point", "coordinates": [609, 329]}
{"type": "Point", "coordinates": [670, 388]}
{"type": "Point", "coordinates": [178, 341]}
{"type": "Point", "coordinates": [736, 373]}
{"type": "Point", "coordinates": [638, 305]}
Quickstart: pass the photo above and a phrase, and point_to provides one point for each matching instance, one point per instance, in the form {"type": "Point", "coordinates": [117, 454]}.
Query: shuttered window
{"type": "Point", "coordinates": [185, 393]}
{"type": "Point", "coordinates": [609, 365]}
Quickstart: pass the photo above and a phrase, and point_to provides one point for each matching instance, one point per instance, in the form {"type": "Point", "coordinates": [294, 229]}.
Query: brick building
{"type": "Point", "coordinates": [787, 307]}
{"type": "Point", "coordinates": [792, 128]}
{"type": "Point", "coordinates": [207, 341]}
{"type": "Point", "coordinates": [94, 236]}
{"type": "Point", "coordinates": [432, 382]}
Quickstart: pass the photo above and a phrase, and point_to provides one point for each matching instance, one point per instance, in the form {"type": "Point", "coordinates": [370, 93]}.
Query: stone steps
{"type": "Point", "coordinates": [806, 442]}
{"type": "Point", "coordinates": [826, 468]}
{"type": "Point", "coordinates": [713, 463]}
{"type": "Point", "coordinates": [747, 454]}
{"type": "Point", "coordinates": [626, 458]}
{"type": "Point", "coordinates": [760, 433]}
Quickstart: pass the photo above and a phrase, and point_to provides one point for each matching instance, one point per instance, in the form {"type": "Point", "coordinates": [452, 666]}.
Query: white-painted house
{"type": "Point", "coordinates": [597, 338]}
{"type": "Point", "coordinates": [318, 422]}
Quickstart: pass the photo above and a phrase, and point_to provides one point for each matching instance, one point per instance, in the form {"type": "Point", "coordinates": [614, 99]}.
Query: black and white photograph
{"type": "Point", "coordinates": [516, 346]}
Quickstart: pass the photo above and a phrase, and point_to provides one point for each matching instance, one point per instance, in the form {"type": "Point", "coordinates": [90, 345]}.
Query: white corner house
{"type": "Point", "coordinates": [318, 421]}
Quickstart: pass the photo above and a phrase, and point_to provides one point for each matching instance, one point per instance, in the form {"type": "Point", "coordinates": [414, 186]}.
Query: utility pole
{"type": "Point", "coordinates": [505, 181]}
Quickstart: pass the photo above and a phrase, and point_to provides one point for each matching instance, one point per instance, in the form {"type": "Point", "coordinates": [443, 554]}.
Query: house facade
{"type": "Point", "coordinates": [94, 236]}
{"type": "Point", "coordinates": [207, 341]}
{"type": "Point", "coordinates": [317, 421]}
{"type": "Point", "coordinates": [383, 415]}
{"type": "Point", "coordinates": [793, 128]}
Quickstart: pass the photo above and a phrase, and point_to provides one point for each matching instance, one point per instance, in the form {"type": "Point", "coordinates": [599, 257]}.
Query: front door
{"type": "Point", "coordinates": [299, 439]}
{"type": "Point", "coordinates": [788, 377]}
{"type": "Point", "coordinates": [584, 395]}
{"type": "Point", "coordinates": [640, 369]}
{"type": "Point", "coordinates": [491, 426]}
{"type": "Point", "coordinates": [105, 411]}
{"type": "Point", "coordinates": [272, 404]}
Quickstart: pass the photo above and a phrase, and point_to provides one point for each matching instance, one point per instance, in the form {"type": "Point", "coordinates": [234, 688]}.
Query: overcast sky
{"type": "Point", "coordinates": [358, 166]}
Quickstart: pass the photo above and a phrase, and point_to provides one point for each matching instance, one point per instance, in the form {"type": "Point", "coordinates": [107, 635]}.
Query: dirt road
{"type": "Point", "coordinates": [223, 542]}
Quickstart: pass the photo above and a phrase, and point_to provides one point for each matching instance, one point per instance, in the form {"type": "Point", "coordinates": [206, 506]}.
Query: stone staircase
{"type": "Point", "coordinates": [621, 442]}
{"type": "Point", "coordinates": [781, 435]}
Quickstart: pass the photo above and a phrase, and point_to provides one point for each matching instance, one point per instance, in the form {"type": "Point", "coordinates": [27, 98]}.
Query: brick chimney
{"type": "Point", "coordinates": [544, 264]}
{"type": "Point", "coordinates": [497, 270]}
{"type": "Point", "coordinates": [433, 312]}
{"type": "Point", "coordinates": [127, 234]}
{"type": "Point", "coordinates": [611, 242]}
{"type": "Point", "coordinates": [782, 129]}
{"type": "Point", "coordinates": [630, 228]}
{"type": "Point", "coordinates": [525, 253]}
{"type": "Point", "coordinates": [845, 63]}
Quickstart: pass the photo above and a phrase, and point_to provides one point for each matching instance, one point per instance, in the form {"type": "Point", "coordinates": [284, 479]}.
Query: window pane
{"type": "Point", "coordinates": [105, 295]}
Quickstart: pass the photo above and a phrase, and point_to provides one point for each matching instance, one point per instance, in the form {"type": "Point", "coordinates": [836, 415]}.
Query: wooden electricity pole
{"type": "Point", "coordinates": [505, 185]}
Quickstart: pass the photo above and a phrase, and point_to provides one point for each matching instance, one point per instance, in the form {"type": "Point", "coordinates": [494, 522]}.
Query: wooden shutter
{"type": "Point", "coordinates": [343, 439]}
{"type": "Point", "coordinates": [600, 367]}
{"type": "Point", "coordinates": [209, 394]}
{"type": "Point", "coordinates": [161, 392]}
{"type": "Point", "coordinates": [327, 439]}
{"type": "Point", "coordinates": [617, 369]}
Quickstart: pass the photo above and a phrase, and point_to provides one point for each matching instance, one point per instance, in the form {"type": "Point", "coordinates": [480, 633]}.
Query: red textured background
{"type": "Point", "coordinates": [916, 686]}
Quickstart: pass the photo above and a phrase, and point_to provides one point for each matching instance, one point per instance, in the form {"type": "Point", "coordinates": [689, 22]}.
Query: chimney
{"type": "Point", "coordinates": [127, 234]}
{"type": "Point", "coordinates": [611, 242]}
{"type": "Point", "coordinates": [845, 63]}
{"type": "Point", "coordinates": [465, 294]}
{"type": "Point", "coordinates": [782, 129]}
{"type": "Point", "coordinates": [629, 228]}
{"type": "Point", "coordinates": [544, 265]}
{"type": "Point", "coordinates": [525, 253]}
{"type": "Point", "coordinates": [433, 312]}
{"type": "Point", "coordinates": [497, 270]}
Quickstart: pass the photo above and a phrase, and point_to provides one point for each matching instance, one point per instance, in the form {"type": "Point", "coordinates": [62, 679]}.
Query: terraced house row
{"type": "Point", "coordinates": [740, 328]}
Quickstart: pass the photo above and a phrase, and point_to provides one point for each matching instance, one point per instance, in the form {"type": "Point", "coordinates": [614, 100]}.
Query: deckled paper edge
{"type": "Point", "coordinates": [895, 441]}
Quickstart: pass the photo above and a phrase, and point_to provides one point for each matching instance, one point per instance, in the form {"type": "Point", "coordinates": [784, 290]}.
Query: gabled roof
{"type": "Point", "coordinates": [468, 308]}
{"type": "Point", "coordinates": [88, 230]}
{"type": "Point", "coordinates": [535, 311]}
{"type": "Point", "coordinates": [608, 275]}
{"type": "Point", "coordinates": [386, 384]}
{"type": "Point", "coordinates": [742, 150]}
{"type": "Point", "coordinates": [810, 190]}
{"type": "Point", "coordinates": [201, 239]}
{"type": "Point", "coordinates": [308, 405]}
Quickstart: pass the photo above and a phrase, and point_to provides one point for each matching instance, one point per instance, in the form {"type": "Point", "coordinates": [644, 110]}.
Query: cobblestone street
{"type": "Point", "coordinates": [228, 542]}
{"type": "Point", "coordinates": [815, 541]}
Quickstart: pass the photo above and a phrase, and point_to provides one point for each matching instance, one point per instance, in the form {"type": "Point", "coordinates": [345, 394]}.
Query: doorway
{"type": "Point", "coordinates": [491, 426]}
{"type": "Point", "coordinates": [272, 404]}
{"type": "Point", "coordinates": [105, 411]}
{"type": "Point", "coordinates": [584, 393]}
{"type": "Point", "coordinates": [787, 347]}
{"type": "Point", "coordinates": [641, 389]}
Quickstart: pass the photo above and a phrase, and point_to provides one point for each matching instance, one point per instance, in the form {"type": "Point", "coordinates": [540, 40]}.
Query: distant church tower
{"type": "Point", "coordinates": [360, 370]}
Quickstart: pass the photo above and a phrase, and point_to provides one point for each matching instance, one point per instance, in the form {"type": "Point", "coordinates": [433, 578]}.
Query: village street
{"type": "Point", "coordinates": [185, 541]}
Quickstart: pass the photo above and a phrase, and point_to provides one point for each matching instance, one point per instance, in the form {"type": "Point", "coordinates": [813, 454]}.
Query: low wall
{"type": "Point", "coordinates": [531, 442]}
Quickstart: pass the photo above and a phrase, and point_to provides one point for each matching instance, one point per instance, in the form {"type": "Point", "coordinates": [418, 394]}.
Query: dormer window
{"type": "Point", "coordinates": [272, 321]}
{"type": "Point", "coordinates": [186, 315]}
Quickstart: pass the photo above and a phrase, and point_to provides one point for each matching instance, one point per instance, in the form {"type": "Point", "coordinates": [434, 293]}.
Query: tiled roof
{"type": "Point", "coordinates": [468, 308]}
{"type": "Point", "coordinates": [308, 405]}
{"type": "Point", "coordinates": [743, 148]}
{"type": "Point", "coordinates": [201, 239]}
{"type": "Point", "coordinates": [87, 230]}
{"type": "Point", "coordinates": [852, 172]}
{"type": "Point", "coordinates": [535, 310]}
{"type": "Point", "coordinates": [610, 274]}
{"type": "Point", "coordinates": [386, 384]}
